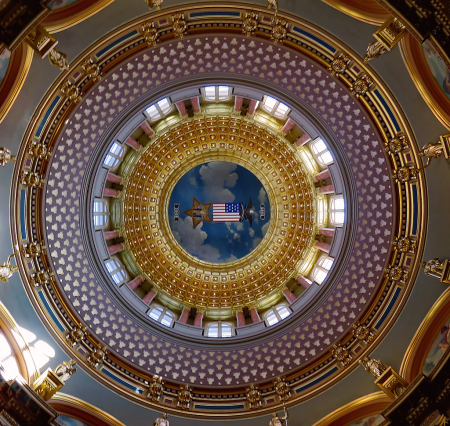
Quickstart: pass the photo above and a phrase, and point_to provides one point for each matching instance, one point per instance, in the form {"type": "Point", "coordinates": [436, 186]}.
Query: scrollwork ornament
{"type": "Point", "coordinates": [58, 59]}
{"type": "Point", "coordinates": [92, 70]}
{"type": "Point", "coordinates": [184, 397]}
{"type": "Point", "coordinates": [65, 370]}
{"type": "Point", "coordinates": [179, 25]}
{"type": "Point", "coordinates": [342, 354]}
{"type": "Point", "coordinates": [151, 34]}
{"type": "Point", "coordinates": [76, 335]}
{"type": "Point", "coordinates": [250, 23]}
{"type": "Point", "coordinates": [374, 50]}
{"type": "Point", "coordinates": [396, 274]}
{"type": "Point", "coordinates": [405, 245]}
{"type": "Point", "coordinates": [362, 332]}
{"type": "Point", "coordinates": [396, 145]}
{"type": "Point", "coordinates": [41, 278]}
{"type": "Point", "coordinates": [253, 397]}
{"type": "Point", "coordinates": [434, 268]}
{"type": "Point", "coordinates": [72, 91]}
{"type": "Point", "coordinates": [33, 249]}
{"type": "Point", "coordinates": [405, 174]}
{"type": "Point", "coordinates": [154, 4]}
{"type": "Point", "coordinates": [373, 366]}
{"type": "Point", "coordinates": [31, 179]}
{"type": "Point", "coordinates": [361, 86]}
{"type": "Point", "coordinates": [282, 389]}
{"type": "Point", "coordinates": [279, 30]}
{"type": "Point", "coordinates": [97, 356]}
{"type": "Point", "coordinates": [39, 150]}
{"type": "Point", "coordinates": [156, 388]}
{"type": "Point", "coordinates": [339, 65]}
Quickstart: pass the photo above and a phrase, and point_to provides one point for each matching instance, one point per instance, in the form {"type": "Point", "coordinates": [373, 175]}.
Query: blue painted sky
{"type": "Point", "coordinates": [219, 182]}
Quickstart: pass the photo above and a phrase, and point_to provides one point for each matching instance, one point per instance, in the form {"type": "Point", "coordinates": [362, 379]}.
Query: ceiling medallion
{"type": "Point", "coordinates": [150, 182]}
{"type": "Point", "coordinates": [66, 287]}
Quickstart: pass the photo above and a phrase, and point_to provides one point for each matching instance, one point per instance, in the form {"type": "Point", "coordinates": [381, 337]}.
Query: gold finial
{"type": "Point", "coordinates": [6, 157]}
{"type": "Point", "coordinates": [58, 59]}
{"type": "Point", "coordinates": [7, 270]}
{"type": "Point", "coordinates": [156, 388]}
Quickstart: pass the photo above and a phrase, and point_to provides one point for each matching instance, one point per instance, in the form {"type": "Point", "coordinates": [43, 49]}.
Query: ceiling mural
{"type": "Point", "coordinates": [4, 62]}
{"type": "Point", "coordinates": [232, 224]}
{"type": "Point", "coordinates": [437, 67]}
{"type": "Point", "coordinates": [369, 421]}
{"type": "Point", "coordinates": [438, 348]}
{"type": "Point", "coordinates": [70, 421]}
{"type": "Point", "coordinates": [58, 4]}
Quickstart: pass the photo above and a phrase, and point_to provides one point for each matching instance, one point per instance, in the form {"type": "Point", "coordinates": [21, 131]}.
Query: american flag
{"type": "Point", "coordinates": [226, 212]}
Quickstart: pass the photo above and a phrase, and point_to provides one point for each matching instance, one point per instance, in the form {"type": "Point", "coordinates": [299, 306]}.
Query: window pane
{"type": "Point", "coordinates": [119, 276]}
{"type": "Point", "coordinates": [167, 319]}
{"type": "Point", "coordinates": [319, 146]}
{"type": "Point", "coordinates": [327, 264]}
{"type": "Point", "coordinates": [100, 220]}
{"type": "Point", "coordinates": [319, 276]}
{"type": "Point", "coordinates": [164, 105]}
{"type": "Point", "coordinates": [110, 161]}
{"type": "Point", "coordinates": [116, 148]}
{"type": "Point", "coordinates": [283, 312]}
{"type": "Point", "coordinates": [112, 265]}
{"type": "Point", "coordinates": [155, 313]}
{"type": "Point", "coordinates": [153, 112]}
{"type": "Point", "coordinates": [338, 204]}
{"type": "Point", "coordinates": [281, 110]}
{"type": "Point", "coordinates": [213, 330]}
{"type": "Point", "coordinates": [224, 92]}
{"type": "Point", "coordinates": [226, 330]}
{"type": "Point", "coordinates": [326, 158]}
{"type": "Point", "coordinates": [272, 319]}
{"type": "Point", "coordinates": [210, 92]}
{"type": "Point", "coordinates": [269, 102]}
{"type": "Point", "coordinates": [338, 217]}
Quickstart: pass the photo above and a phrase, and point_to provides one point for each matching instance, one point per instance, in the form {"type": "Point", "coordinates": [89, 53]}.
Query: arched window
{"type": "Point", "coordinates": [219, 329]}
{"type": "Point", "coordinates": [114, 156]}
{"type": "Point", "coordinates": [216, 93]}
{"type": "Point", "coordinates": [275, 107]}
{"type": "Point", "coordinates": [7, 359]}
{"type": "Point", "coordinates": [116, 270]}
{"type": "Point", "coordinates": [276, 314]}
{"type": "Point", "coordinates": [320, 152]}
{"type": "Point", "coordinates": [337, 210]}
{"type": "Point", "coordinates": [159, 110]}
{"type": "Point", "coordinates": [101, 214]}
{"type": "Point", "coordinates": [161, 315]}
{"type": "Point", "coordinates": [321, 268]}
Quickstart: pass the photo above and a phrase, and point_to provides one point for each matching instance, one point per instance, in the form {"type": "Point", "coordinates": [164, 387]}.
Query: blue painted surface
{"type": "Point", "coordinates": [216, 407]}
{"type": "Point", "coordinates": [316, 39]}
{"type": "Point", "coordinates": [205, 14]}
{"type": "Point", "coordinates": [116, 43]}
{"type": "Point", "coordinates": [319, 379]}
{"type": "Point", "coordinates": [50, 312]}
{"type": "Point", "coordinates": [122, 382]}
{"type": "Point", "coordinates": [415, 209]}
{"type": "Point", "coordinates": [389, 308]}
{"type": "Point", "coordinates": [388, 110]}
{"type": "Point", "coordinates": [46, 116]}
{"type": "Point", "coordinates": [23, 227]}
